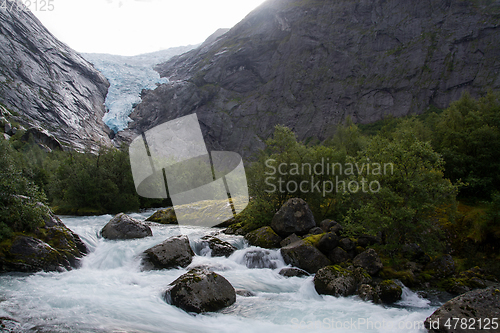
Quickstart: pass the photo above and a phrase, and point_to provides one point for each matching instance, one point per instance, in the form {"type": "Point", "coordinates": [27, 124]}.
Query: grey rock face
{"type": "Point", "coordinates": [369, 260]}
{"type": "Point", "coordinates": [328, 242]}
{"type": "Point", "coordinates": [289, 240]}
{"type": "Point", "coordinates": [304, 256]}
{"type": "Point", "coordinates": [48, 84]}
{"type": "Point", "coordinates": [294, 217]}
{"type": "Point", "coordinates": [317, 62]}
{"type": "Point", "coordinates": [123, 226]}
{"type": "Point", "coordinates": [483, 303]}
{"type": "Point", "coordinates": [171, 253]}
{"type": "Point", "coordinates": [201, 291]}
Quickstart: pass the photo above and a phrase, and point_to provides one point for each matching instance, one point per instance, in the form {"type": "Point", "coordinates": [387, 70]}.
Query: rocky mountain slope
{"type": "Point", "coordinates": [46, 84]}
{"type": "Point", "coordinates": [309, 64]}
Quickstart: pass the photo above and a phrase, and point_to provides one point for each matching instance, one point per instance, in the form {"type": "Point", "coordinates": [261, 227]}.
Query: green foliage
{"type": "Point", "coordinates": [468, 136]}
{"type": "Point", "coordinates": [411, 191]}
{"type": "Point", "coordinates": [20, 208]}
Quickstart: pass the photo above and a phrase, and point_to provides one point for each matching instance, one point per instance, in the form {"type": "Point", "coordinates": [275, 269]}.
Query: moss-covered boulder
{"type": "Point", "coordinates": [390, 291]}
{"type": "Point", "coordinates": [368, 293]}
{"type": "Point", "coordinates": [305, 256]}
{"type": "Point", "coordinates": [164, 216]}
{"type": "Point", "coordinates": [335, 281]}
{"type": "Point", "coordinates": [200, 291]}
{"type": "Point", "coordinates": [171, 253]}
{"type": "Point", "coordinates": [51, 247]}
{"type": "Point", "coordinates": [294, 217]}
{"type": "Point", "coordinates": [122, 226]}
{"type": "Point", "coordinates": [264, 237]}
{"type": "Point", "coordinates": [218, 248]}
{"type": "Point", "coordinates": [472, 306]}
{"type": "Point", "coordinates": [369, 260]}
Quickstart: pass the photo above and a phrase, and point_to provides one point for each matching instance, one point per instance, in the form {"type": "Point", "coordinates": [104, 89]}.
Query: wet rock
{"type": "Point", "coordinates": [219, 248]}
{"type": "Point", "coordinates": [293, 217]}
{"type": "Point", "coordinates": [244, 293]}
{"type": "Point", "coordinates": [369, 260]}
{"type": "Point", "coordinates": [304, 256]}
{"type": "Point", "coordinates": [368, 293]}
{"type": "Point", "coordinates": [476, 304]}
{"type": "Point", "coordinates": [328, 242]}
{"type": "Point", "coordinates": [258, 259]}
{"type": "Point", "coordinates": [335, 281]}
{"type": "Point", "coordinates": [171, 253]}
{"type": "Point", "coordinates": [163, 216]}
{"type": "Point", "coordinates": [338, 255]}
{"type": "Point", "coordinates": [390, 291]}
{"type": "Point", "coordinates": [289, 240]}
{"type": "Point", "coordinates": [122, 226]}
{"type": "Point", "coordinates": [200, 291]}
{"type": "Point", "coordinates": [292, 271]}
{"type": "Point", "coordinates": [264, 237]}
{"type": "Point", "coordinates": [234, 229]}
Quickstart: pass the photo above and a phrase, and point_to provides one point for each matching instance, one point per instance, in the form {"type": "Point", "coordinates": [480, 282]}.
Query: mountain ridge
{"type": "Point", "coordinates": [311, 64]}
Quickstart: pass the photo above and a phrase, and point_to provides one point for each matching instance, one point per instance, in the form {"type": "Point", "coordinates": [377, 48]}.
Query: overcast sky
{"type": "Point", "coordinates": [130, 27]}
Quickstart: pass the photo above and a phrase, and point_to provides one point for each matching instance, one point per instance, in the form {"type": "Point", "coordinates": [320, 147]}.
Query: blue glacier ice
{"type": "Point", "coordinates": [128, 76]}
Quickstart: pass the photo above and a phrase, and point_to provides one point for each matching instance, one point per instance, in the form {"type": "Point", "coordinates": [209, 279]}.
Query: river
{"type": "Point", "coordinates": [109, 293]}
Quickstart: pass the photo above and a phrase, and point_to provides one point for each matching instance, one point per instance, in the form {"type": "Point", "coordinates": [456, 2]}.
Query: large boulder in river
{"type": "Point", "coordinates": [51, 247]}
{"type": "Point", "coordinates": [264, 237]}
{"type": "Point", "coordinates": [201, 291]}
{"type": "Point", "coordinates": [390, 291]}
{"type": "Point", "coordinates": [477, 304]}
{"type": "Point", "coordinates": [171, 253]}
{"type": "Point", "coordinates": [293, 217]}
{"type": "Point", "coordinates": [305, 256]}
{"type": "Point", "coordinates": [164, 216]}
{"type": "Point", "coordinates": [218, 248]}
{"type": "Point", "coordinates": [369, 260]}
{"type": "Point", "coordinates": [123, 226]}
{"type": "Point", "coordinates": [335, 281]}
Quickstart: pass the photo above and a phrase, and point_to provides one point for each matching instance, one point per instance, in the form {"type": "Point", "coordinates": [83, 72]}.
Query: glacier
{"type": "Point", "coordinates": [128, 76]}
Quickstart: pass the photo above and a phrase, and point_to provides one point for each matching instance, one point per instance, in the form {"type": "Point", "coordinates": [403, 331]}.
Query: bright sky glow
{"type": "Point", "coordinates": [130, 27]}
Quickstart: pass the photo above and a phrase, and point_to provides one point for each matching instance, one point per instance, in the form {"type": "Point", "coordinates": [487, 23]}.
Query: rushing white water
{"type": "Point", "coordinates": [109, 293]}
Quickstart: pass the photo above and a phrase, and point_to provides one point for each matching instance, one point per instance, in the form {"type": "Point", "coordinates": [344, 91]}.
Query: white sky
{"type": "Point", "coordinates": [130, 27]}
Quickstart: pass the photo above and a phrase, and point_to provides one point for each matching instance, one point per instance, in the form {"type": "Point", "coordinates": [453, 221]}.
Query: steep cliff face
{"type": "Point", "coordinates": [49, 85]}
{"type": "Point", "coordinates": [309, 64]}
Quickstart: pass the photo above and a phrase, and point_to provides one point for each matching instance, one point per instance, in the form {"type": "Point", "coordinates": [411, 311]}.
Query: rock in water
{"type": "Point", "coordinates": [201, 291]}
{"type": "Point", "coordinates": [123, 226]}
{"type": "Point", "coordinates": [305, 256]}
{"type": "Point", "coordinates": [219, 248]}
{"type": "Point", "coordinates": [53, 247]}
{"type": "Point", "coordinates": [264, 237]}
{"type": "Point", "coordinates": [369, 260]}
{"type": "Point", "coordinates": [164, 216]}
{"type": "Point", "coordinates": [477, 307]}
{"type": "Point", "coordinates": [171, 253]}
{"type": "Point", "coordinates": [335, 281]}
{"type": "Point", "coordinates": [294, 217]}
{"type": "Point", "coordinates": [390, 291]}
{"type": "Point", "coordinates": [292, 271]}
